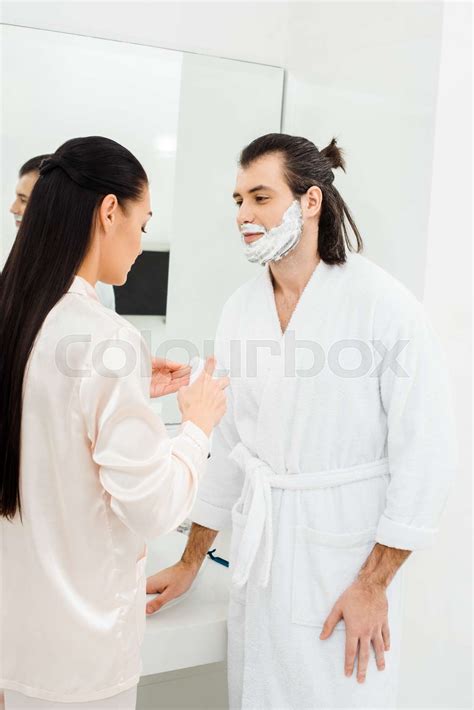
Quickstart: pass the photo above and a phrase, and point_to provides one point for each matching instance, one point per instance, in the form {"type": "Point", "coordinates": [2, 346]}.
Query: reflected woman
{"type": "Point", "coordinates": [88, 471]}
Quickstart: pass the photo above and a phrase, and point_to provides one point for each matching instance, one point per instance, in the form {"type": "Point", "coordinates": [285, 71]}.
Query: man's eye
{"type": "Point", "coordinates": [237, 204]}
{"type": "Point", "coordinates": [144, 230]}
{"type": "Point", "coordinates": [261, 198]}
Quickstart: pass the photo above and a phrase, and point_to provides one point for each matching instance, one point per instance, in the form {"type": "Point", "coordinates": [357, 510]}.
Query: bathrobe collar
{"type": "Point", "coordinates": [316, 283]}
{"type": "Point", "coordinates": [83, 287]}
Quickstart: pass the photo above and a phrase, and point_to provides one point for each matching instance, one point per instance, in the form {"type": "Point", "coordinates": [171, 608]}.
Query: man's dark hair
{"type": "Point", "coordinates": [32, 164]}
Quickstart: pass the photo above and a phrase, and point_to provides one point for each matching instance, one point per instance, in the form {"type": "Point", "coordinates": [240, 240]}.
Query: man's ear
{"type": "Point", "coordinates": [107, 213]}
{"type": "Point", "coordinates": [311, 202]}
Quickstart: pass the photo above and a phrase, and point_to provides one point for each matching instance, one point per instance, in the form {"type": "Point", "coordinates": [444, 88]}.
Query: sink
{"type": "Point", "coordinates": [191, 630]}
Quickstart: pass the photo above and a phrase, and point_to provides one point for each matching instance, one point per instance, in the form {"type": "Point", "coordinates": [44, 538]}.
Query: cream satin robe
{"type": "Point", "coordinates": [99, 475]}
{"type": "Point", "coordinates": [337, 436]}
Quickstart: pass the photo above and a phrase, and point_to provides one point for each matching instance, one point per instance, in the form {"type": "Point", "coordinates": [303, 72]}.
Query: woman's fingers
{"type": "Point", "coordinates": [184, 371]}
{"type": "Point", "coordinates": [210, 366]}
{"type": "Point", "coordinates": [177, 382]}
{"type": "Point", "coordinates": [223, 382]}
{"type": "Point", "coordinates": [159, 363]}
{"type": "Point", "coordinates": [175, 386]}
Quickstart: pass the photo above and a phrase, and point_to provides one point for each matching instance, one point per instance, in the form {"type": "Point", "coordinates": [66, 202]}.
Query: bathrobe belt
{"type": "Point", "coordinates": [259, 480]}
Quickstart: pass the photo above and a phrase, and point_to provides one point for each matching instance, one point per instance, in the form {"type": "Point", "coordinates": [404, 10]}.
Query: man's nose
{"type": "Point", "coordinates": [245, 216]}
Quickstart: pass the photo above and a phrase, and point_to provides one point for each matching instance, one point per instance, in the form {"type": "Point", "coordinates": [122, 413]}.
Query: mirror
{"type": "Point", "coordinates": [186, 117]}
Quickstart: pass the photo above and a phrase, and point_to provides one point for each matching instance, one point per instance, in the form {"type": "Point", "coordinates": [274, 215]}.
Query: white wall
{"type": "Point", "coordinates": [368, 73]}
{"type": "Point", "coordinates": [446, 621]}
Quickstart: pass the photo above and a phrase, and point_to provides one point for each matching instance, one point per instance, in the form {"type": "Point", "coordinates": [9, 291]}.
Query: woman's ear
{"type": "Point", "coordinates": [108, 212]}
{"type": "Point", "coordinates": [312, 201]}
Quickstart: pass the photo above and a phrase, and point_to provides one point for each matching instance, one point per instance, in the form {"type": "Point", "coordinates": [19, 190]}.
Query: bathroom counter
{"type": "Point", "coordinates": [192, 631]}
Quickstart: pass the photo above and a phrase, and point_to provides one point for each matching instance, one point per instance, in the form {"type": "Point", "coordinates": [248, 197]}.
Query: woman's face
{"type": "Point", "coordinates": [121, 236]}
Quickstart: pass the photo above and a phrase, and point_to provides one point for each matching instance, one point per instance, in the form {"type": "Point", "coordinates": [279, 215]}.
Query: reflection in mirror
{"type": "Point", "coordinates": [185, 117]}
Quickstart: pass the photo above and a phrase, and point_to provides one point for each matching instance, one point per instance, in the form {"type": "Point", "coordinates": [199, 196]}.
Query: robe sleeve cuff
{"type": "Point", "coordinates": [193, 443]}
{"type": "Point", "coordinates": [403, 537]}
{"type": "Point", "coordinates": [197, 436]}
{"type": "Point", "coordinates": [210, 516]}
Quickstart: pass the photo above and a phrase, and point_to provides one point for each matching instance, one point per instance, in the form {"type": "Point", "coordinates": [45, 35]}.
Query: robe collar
{"type": "Point", "coordinates": [316, 283]}
{"type": "Point", "coordinates": [321, 271]}
{"type": "Point", "coordinates": [83, 287]}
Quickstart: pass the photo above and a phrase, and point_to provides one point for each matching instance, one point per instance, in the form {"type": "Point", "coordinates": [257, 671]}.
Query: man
{"type": "Point", "coordinates": [27, 177]}
{"type": "Point", "coordinates": [336, 454]}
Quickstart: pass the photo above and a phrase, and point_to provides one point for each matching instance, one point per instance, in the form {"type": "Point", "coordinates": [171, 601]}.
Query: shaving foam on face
{"type": "Point", "coordinates": [276, 242]}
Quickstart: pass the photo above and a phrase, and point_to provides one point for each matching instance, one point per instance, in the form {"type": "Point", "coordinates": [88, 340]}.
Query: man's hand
{"type": "Point", "coordinates": [364, 608]}
{"type": "Point", "coordinates": [170, 583]}
{"type": "Point", "coordinates": [174, 581]}
{"type": "Point", "coordinates": [167, 377]}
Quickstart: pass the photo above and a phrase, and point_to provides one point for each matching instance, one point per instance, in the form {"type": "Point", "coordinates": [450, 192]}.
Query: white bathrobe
{"type": "Point", "coordinates": [338, 435]}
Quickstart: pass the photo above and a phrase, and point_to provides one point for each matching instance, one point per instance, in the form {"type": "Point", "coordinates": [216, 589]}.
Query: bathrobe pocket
{"type": "Point", "coordinates": [325, 564]}
{"type": "Point", "coordinates": [239, 521]}
{"type": "Point", "coordinates": [140, 598]}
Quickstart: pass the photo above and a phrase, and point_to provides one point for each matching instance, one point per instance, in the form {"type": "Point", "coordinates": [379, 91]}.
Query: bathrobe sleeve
{"type": "Point", "coordinates": [152, 479]}
{"type": "Point", "coordinates": [222, 484]}
{"type": "Point", "coordinates": [421, 444]}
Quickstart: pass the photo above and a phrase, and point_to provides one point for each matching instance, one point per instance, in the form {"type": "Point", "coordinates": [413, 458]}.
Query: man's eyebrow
{"type": "Point", "coordinates": [257, 188]}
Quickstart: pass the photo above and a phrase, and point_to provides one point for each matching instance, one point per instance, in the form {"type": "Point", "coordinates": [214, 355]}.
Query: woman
{"type": "Point", "coordinates": [87, 470]}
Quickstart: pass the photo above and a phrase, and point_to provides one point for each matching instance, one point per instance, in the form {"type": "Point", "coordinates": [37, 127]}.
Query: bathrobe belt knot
{"type": "Point", "coordinates": [259, 480]}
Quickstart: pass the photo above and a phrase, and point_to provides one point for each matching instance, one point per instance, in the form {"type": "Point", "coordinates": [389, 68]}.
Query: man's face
{"type": "Point", "coordinates": [23, 191]}
{"type": "Point", "coordinates": [262, 194]}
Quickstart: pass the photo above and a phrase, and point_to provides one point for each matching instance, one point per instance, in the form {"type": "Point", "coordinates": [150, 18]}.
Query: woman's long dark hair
{"type": "Point", "coordinates": [304, 166]}
{"type": "Point", "coordinates": [51, 243]}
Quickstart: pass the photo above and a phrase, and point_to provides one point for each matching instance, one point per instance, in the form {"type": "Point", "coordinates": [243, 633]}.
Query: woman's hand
{"type": "Point", "coordinates": [167, 377]}
{"type": "Point", "coordinates": [204, 402]}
